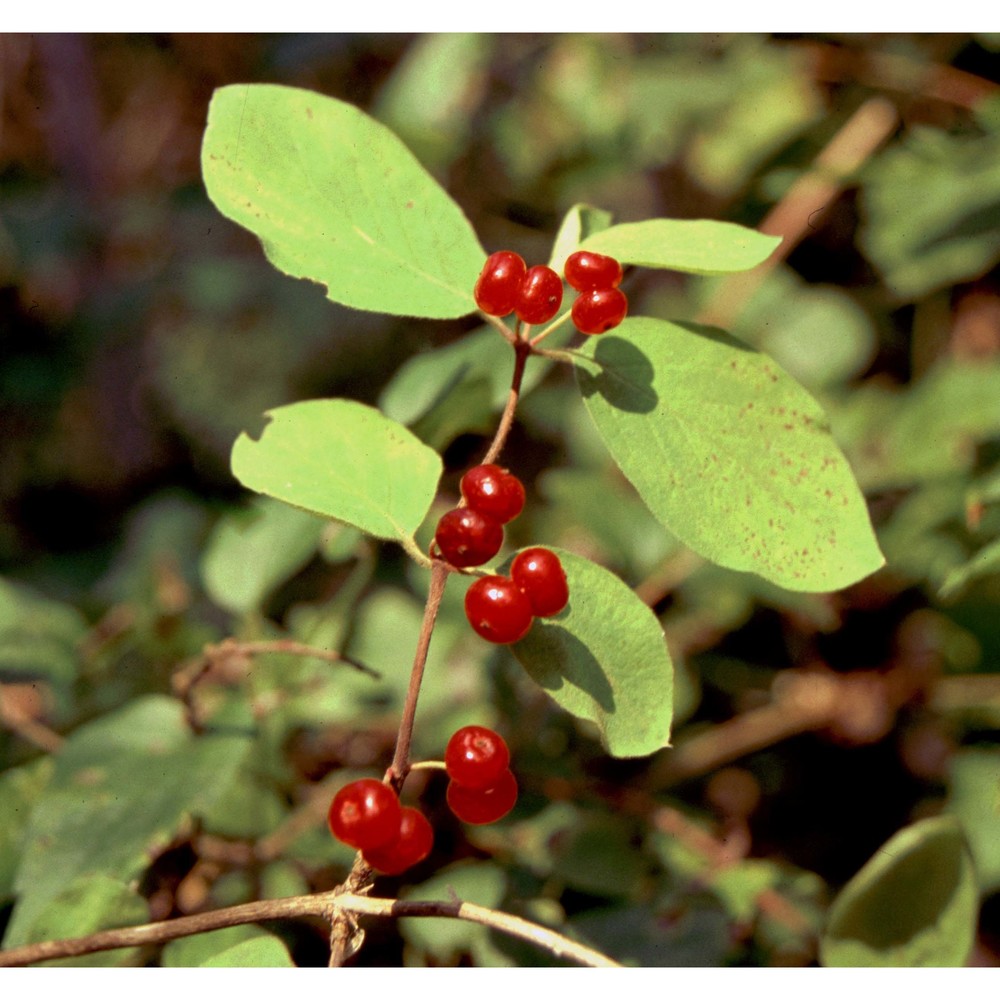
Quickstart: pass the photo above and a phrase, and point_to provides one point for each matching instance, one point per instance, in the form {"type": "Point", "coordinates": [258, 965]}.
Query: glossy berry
{"type": "Point", "coordinates": [493, 492]}
{"type": "Point", "coordinates": [365, 814]}
{"type": "Point", "coordinates": [499, 284]}
{"type": "Point", "coordinates": [586, 271]}
{"type": "Point", "coordinates": [539, 575]}
{"type": "Point", "coordinates": [599, 310]}
{"type": "Point", "coordinates": [413, 844]}
{"type": "Point", "coordinates": [467, 538]}
{"type": "Point", "coordinates": [497, 610]}
{"type": "Point", "coordinates": [540, 296]}
{"type": "Point", "coordinates": [483, 805]}
{"type": "Point", "coordinates": [476, 757]}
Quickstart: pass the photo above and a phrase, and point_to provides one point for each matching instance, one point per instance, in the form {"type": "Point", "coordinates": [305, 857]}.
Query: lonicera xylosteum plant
{"type": "Point", "coordinates": [726, 449]}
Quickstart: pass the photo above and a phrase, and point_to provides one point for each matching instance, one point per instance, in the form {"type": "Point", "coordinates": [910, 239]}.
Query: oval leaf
{"type": "Point", "coordinates": [335, 197]}
{"type": "Point", "coordinates": [343, 460]}
{"type": "Point", "coordinates": [604, 659]}
{"type": "Point", "coordinates": [696, 246]}
{"type": "Point", "coordinates": [730, 453]}
{"type": "Point", "coordinates": [914, 904]}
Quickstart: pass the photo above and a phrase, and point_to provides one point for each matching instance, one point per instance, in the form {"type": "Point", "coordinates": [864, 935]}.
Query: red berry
{"type": "Point", "coordinates": [414, 843]}
{"type": "Point", "coordinates": [365, 814]}
{"type": "Point", "coordinates": [586, 271]}
{"type": "Point", "coordinates": [467, 538]}
{"type": "Point", "coordinates": [539, 575]}
{"type": "Point", "coordinates": [599, 310]}
{"type": "Point", "coordinates": [493, 492]}
{"type": "Point", "coordinates": [497, 610]}
{"type": "Point", "coordinates": [540, 296]}
{"type": "Point", "coordinates": [499, 284]}
{"type": "Point", "coordinates": [476, 757]}
{"type": "Point", "coordinates": [482, 805]}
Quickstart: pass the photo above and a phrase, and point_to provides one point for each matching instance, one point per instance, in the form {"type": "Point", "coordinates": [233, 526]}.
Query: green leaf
{"type": "Point", "coordinates": [731, 454]}
{"type": "Point", "coordinates": [696, 246]}
{"type": "Point", "coordinates": [604, 658]}
{"type": "Point", "coordinates": [343, 460]}
{"type": "Point", "coordinates": [122, 787]}
{"type": "Point", "coordinates": [251, 552]}
{"type": "Point", "coordinates": [461, 386]}
{"type": "Point", "coordinates": [20, 787]}
{"type": "Point", "coordinates": [914, 904]}
{"type": "Point", "coordinates": [579, 223]}
{"type": "Point", "coordinates": [38, 636]}
{"type": "Point", "coordinates": [974, 798]}
{"type": "Point", "coordinates": [87, 904]}
{"type": "Point", "coordinates": [207, 950]}
{"type": "Point", "coordinates": [932, 206]}
{"type": "Point", "coordinates": [264, 952]}
{"type": "Point", "coordinates": [335, 197]}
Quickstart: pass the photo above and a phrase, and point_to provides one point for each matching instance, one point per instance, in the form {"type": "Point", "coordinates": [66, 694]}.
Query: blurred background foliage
{"type": "Point", "coordinates": [150, 769]}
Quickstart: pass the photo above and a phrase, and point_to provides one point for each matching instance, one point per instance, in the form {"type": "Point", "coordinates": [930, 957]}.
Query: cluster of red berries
{"type": "Point", "coordinates": [367, 815]}
{"type": "Point", "coordinates": [507, 285]}
{"type": "Point", "coordinates": [601, 304]}
{"type": "Point", "coordinates": [500, 609]}
{"type": "Point", "coordinates": [473, 534]}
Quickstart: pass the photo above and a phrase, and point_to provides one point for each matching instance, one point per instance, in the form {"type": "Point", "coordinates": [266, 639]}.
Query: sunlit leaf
{"type": "Point", "coordinates": [604, 659]}
{"type": "Point", "coordinates": [335, 197]}
{"type": "Point", "coordinates": [733, 456]}
{"type": "Point", "coordinates": [344, 460]}
{"type": "Point", "coordinates": [696, 246]}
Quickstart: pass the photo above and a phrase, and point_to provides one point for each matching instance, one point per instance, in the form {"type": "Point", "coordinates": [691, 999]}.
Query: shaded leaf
{"type": "Point", "coordinates": [974, 799]}
{"type": "Point", "coordinates": [914, 904]}
{"type": "Point", "coordinates": [206, 950]}
{"type": "Point", "coordinates": [344, 460]}
{"type": "Point", "coordinates": [122, 787]}
{"type": "Point", "coordinates": [335, 197]}
{"type": "Point", "coordinates": [733, 456]}
{"type": "Point", "coordinates": [38, 636]}
{"type": "Point", "coordinates": [263, 952]}
{"type": "Point", "coordinates": [604, 659]}
{"type": "Point", "coordinates": [87, 904]}
{"type": "Point", "coordinates": [252, 551]}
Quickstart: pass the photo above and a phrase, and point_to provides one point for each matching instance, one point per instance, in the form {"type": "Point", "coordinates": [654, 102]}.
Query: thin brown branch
{"type": "Point", "coordinates": [319, 904]}
{"type": "Point", "coordinates": [554, 943]}
{"type": "Point", "coordinates": [891, 71]}
{"type": "Point", "coordinates": [401, 757]}
{"type": "Point", "coordinates": [521, 352]}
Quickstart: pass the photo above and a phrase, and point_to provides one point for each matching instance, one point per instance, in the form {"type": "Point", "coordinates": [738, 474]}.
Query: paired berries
{"type": "Point", "coordinates": [507, 285]}
{"type": "Point", "coordinates": [482, 788]}
{"type": "Point", "coordinates": [472, 535]}
{"type": "Point", "coordinates": [367, 816]}
{"type": "Point", "coordinates": [501, 609]}
{"type": "Point", "coordinates": [601, 305]}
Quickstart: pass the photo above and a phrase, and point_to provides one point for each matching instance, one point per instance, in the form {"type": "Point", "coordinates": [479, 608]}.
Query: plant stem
{"type": "Point", "coordinates": [401, 758]}
{"type": "Point", "coordinates": [328, 904]}
{"type": "Point", "coordinates": [521, 351]}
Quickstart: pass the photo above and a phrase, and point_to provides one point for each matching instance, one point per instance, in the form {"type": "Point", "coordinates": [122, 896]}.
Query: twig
{"type": "Point", "coordinates": [521, 351]}
{"type": "Point", "coordinates": [319, 904]}
{"type": "Point", "coordinates": [551, 941]}
{"type": "Point", "coordinates": [30, 730]}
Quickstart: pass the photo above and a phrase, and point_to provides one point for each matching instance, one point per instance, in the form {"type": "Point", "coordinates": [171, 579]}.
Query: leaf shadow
{"type": "Point", "coordinates": [626, 377]}
{"type": "Point", "coordinates": [554, 658]}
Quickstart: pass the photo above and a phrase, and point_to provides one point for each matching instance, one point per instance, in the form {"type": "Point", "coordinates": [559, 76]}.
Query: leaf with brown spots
{"type": "Point", "coordinates": [730, 453]}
